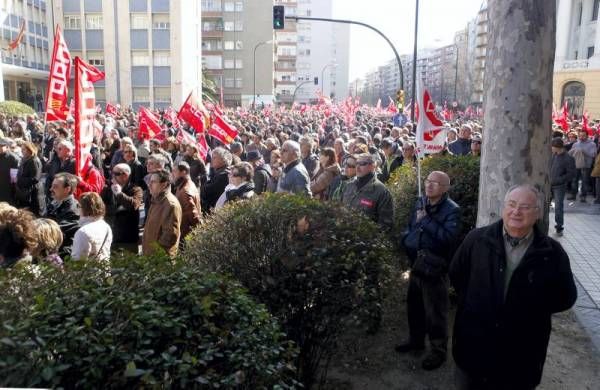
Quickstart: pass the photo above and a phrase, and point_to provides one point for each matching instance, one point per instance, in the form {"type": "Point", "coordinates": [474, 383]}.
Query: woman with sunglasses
{"type": "Point", "coordinates": [241, 185]}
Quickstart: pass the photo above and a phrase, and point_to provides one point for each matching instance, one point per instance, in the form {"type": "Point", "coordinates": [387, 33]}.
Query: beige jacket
{"type": "Point", "coordinates": [162, 228]}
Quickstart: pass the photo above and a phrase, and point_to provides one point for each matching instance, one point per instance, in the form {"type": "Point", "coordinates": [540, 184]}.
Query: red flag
{"type": "Point", "coordinates": [586, 125]}
{"type": "Point", "coordinates": [378, 105]}
{"type": "Point", "coordinates": [194, 113]}
{"type": "Point", "coordinates": [111, 110]}
{"type": "Point", "coordinates": [183, 137]}
{"type": "Point", "coordinates": [72, 108]}
{"type": "Point", "coordinates": [85, 111]}
{"type": "Point", "coordinates": [214, 108]}
{"type": "Point", "coordinates": [172, 116]}
{"type": "Point", "coordinates": [562, 118]}
{"type": "Point", "coordinates": [202, 146]}
{"type": "Point", "coordinates": [222, 130]}
{"type": "Point", "coordinates": [58, 82]}
{"type": "Point", "coordinates": [392, 106]}
{"type": "Point", "coordinates": [17, 41]}
{"type": "Point", "coordinates": [149, 127]}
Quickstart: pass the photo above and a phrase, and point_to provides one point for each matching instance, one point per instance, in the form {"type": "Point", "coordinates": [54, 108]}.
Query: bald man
{"type": "Point", "coordinates": [430, 241]}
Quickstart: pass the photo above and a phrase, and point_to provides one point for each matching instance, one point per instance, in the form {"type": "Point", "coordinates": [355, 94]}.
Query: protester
{"type": "Point", "coordinates": [9, 164]}
{"type": "Point", "coordinates": [162, 228]}
{"type": "Point", "coordinates": [123, 200]}
{"type": "Point", "coordinates": [368, 195]}
{"type": "Point", "coordinates": [138, 170]}
{"type": "Point", "coordinates": [294, 177]}
{"type": "Point", "coordinates": [48, 241]}
{"type": "Point", "coordinates": [595, 174]}
{"type": "Point", "coordinates": [562, 171]}
{"type": "Point", "coordinates": [64, 209]}
{"type": "Point", "coordinates": [338, 185]}
{"type": "Point", "coordinates": [17, 236]}
{"type": "Point", "coordinates": [462, 146]}
{"type": "Point", "coordinates": [189, 198]}
{"type": "Point", "coordinates": [220, 162]}
{"type": "Point", "coordinates": [240, 184]}
{"type": "Point", "coordinates": [61, 161]}
{"type": "Point", "coordinates": [584, 152]}
{"type": "Point", "coordinates": [328, 171]}
{"type": "Point", "coordinates": [510, 278]}
{"type": "Point", "coordinates": [29, 190]}
{"type": "Point", "coordinates": [392, 160]}
{"type": "Point", "coordinates": [94, 237]}
{"type": "Point", "coordinates": [476, 146]}
{"type": "Point", "coordinates": [430, 242]}
{"type": "Point", "coordinates": [262, 173]}
{"type": "Point", "coordinates": [197, 166]}
{"type": "Point", "coordinates": [309, 158]}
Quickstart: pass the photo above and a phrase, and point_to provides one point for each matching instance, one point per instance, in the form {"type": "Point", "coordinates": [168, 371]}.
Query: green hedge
{"type": "Point", "coordinates": [318, 267]}
{"type": "Point", "coordinates": [464, 178]}
{"type": "Point", "coordinates": [146, 322]}
{"type": "Point", "coordinates": [10, 108]}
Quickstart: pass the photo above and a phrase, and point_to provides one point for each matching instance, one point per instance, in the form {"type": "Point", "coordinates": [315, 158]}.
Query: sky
{"type": "Point", "coordinates": [438, 21]}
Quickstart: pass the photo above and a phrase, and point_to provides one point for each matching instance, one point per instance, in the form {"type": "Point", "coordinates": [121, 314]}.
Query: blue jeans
{"type": "Point", "coordinates": [584, 175]}
{"type": "Point", "coordinates": [558, 194]}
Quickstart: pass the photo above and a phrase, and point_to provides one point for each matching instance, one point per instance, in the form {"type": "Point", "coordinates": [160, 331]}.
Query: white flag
{"type": "Point", "coordinates": [431, 133]}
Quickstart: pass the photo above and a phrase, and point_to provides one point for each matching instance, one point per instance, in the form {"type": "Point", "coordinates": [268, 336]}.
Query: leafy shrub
{"type": "Point", "coordinates": [464, 190]}
{"type": "Point", "coordinates": [10, 108]}
{"type": "Point", "coordinates": [318, 267]}
{"type": "Point", "coordinates": [146, 322]}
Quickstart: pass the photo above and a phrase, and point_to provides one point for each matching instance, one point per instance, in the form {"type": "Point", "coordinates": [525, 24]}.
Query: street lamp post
{"type": "Point", "coordinates": [323, 76]}
{"type": "Point", "coordinates": [455, 70]}
{"type": "Point", "coordinates": [254, 72]}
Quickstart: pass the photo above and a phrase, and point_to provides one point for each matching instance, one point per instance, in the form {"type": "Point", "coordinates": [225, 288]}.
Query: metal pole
{"type": "Point", "coordinates": [296, 90]}
{"type": "Point", "coordinates": [296, 18]}
{"type": "Point", "coordinates": [254, 72]}
{"type": "Point", "coordinates": [414, 73]}
{"type": "Point", "coordinates": [455, 71]}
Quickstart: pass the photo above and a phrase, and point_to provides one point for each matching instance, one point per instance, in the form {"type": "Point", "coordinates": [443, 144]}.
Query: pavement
{"type": "Point", "coordinates": [581, 241]}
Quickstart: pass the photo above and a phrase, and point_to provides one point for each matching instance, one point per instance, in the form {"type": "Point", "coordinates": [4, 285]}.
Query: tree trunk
{"type": "Point", "coordinates": [518, 102]}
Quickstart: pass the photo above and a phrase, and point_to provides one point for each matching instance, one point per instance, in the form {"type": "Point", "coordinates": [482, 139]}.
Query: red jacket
{"type": "Point", "coordinates": [91, 181]}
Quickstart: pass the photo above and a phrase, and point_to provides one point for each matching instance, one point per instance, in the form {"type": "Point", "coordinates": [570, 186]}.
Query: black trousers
{"type": "Point", "coordinates": [464, 381]}
{"type": "Point", "coordinates": [427, 310]}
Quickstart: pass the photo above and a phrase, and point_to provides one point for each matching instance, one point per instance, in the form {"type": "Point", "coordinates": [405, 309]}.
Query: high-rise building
{"type": "Point", "coordinates": [24, 70]}
{"type": "Point", "coordinates": [287, 71]}
{"type": "Point", "coordinates": [479, 40]}
{"type": "Point", "coordinates": [577, 57]}
{"type": "Point", "coordinates": [234, 33]}
{"type": "Point", "coordinates": [149, 49]}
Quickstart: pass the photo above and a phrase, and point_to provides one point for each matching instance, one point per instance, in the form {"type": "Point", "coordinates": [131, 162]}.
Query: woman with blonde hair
{"type": "Point", "coordinates": [94, 237]}
{"type": "Point", "coordinates": [17, 236]}
{"type": "Point", "coordinates": [49, 239]}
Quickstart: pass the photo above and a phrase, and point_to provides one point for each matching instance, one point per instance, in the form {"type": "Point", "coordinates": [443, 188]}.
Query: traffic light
{"type": "Point", "coordinates": [400, 98]}
{"type": "Point", "coordinates": [316, 81]}
{"type": "Point", "coordinates": [278, 17]}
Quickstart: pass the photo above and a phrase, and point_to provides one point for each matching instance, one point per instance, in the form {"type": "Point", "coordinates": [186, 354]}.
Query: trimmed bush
{"type": "Point", "coordinates": [146, 322]}
{"type": "Point", "coordinates": [318, 267]}
{"type": "Point", "coordinates": [10, 108]}
{"type": "Point", "coordinates": [464, 190]}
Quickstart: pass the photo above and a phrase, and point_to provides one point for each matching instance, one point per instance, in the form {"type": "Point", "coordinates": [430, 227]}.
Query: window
{"type": "Point", "coordinates": [162, 94]}
{"type": "Point", "coordinates": [229, 26]}
{"type": "Point", "coordinates": [239, 6]}
{"type": "Point", "coordinates": [139, 21]}
{"type": "Point", "coordinates": [238, 83]}
{"type": "Point", "coordinates": [212, 44]}
{"type": "Point", "coordinates": [161, 22]}
{"type": "Point", "coordinates": [228, 6]}
{"type": "Point", "coordinates": [595, 9]}
{"type": "Point", "coordinates": [212, 62]}
{"type": "Point", "coordinates": [161, 58]}
{"type": "Point", "coordinates": [141, 94]}
{"type": "Point", "coordinates": [100, 93]}
{"type": "Point", "coordinates": [239, 45]}
{"type": "Point", "coordinates": [239, 25]}
{"type": "Point", "coordinates": [590, 52]}
{"type": "Point", "coordinates": [228, 45]}
{"type": "Point", "coordinates": [140, 59]}
{"type": "Point", "coordinates": [95, 58]}
{"type": "Point", "coordinates": [93, 22]}
{"type": "Point", "coordinates": [211, 5]}
{"type": "Point", "coordinates": [239, 64]}
{"type": "Point", "coordinates": [229, 64]}
{"type": "Point", "coordinates": [229, 83]}
{"type": "Point", "coordinates": [72, 22]}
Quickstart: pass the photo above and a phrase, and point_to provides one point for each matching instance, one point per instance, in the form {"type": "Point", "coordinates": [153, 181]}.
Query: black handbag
{"type": "Point", "coordinates": [428, 265]}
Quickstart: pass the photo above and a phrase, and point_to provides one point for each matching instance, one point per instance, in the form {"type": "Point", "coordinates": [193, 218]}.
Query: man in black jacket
{"type": "Point", "coordinates": [510, 278]}
{"type": "Point", "coordinates": [430, 242]}
{"type": "Point", "coordinates": [219, 178]}
{"type": "Point", "coordinates": [64, 209]}
{"type": "Point", "coordinates": [562, 171]}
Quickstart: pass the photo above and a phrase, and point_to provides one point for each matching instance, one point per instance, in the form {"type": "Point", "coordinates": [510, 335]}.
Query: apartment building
{"type": "Point", "coordinates": [150, 50]}
{"type": "Point", "coordinates": [24, 70]}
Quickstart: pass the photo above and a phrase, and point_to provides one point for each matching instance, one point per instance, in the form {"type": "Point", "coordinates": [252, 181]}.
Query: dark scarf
{"type": "Point", "coordinates": [238, 193]}
{"type": "Point", "coordinates": [362, 181]}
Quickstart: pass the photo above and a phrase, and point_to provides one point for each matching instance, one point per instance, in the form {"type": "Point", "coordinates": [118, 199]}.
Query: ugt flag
{"type": "Point", "coordinates": [58, 82]}
{"type": "Point", "coordinates": [194, 113]}
{"type": "Point", "coordinates": [431, 133]}
{"type": "Point", "coordinates": [85, 111]}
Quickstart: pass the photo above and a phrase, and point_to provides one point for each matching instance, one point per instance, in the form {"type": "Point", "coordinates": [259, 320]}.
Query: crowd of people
{"type": "Point", "coordinates": [143, 195]}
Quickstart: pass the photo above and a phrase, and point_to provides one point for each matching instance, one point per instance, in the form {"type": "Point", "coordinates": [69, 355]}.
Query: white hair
{"type": "Point", "coordinates": [539, 196]}
{"type": "Point", "coordinates": [67, 144]}
{"type": "Point", "coordinates": [292, 146]}
{"type": "Point", "coordinates": [123, 168]}
{"type": "Point", "coordinates": [224, 154]}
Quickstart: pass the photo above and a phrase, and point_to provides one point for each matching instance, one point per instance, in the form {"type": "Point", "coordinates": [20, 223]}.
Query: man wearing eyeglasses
{"type": "Point", "coordinates": [367, 194]}
{"type": "Point", "coordinates": [430, 241]}
{"type": "Point", "coordinates": [510, 278]}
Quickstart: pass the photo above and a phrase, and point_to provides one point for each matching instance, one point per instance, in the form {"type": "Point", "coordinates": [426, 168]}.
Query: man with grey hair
{"type": "Point", "coordinates": [294, 178]}
{"type": "Point", "coordinates": [462, 146]}
{"type": "Point", "coordinates": [218, 178]}
{"type": "Point", "coordinates": [62, 161]}
{"type": "Point", "coordinates": [510, 278]}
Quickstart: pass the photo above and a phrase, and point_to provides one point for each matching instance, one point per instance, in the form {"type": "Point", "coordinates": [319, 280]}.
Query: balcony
{"type": "Point", "coordinates": [280, 68]}
{"type": "Point", "coordinates": [212, 13]}
{"type": "Point", "coordinates": [216, 33]}
{"type": "Point", "coordinates": [575, 64]}
{"type": "Point", "coordinates": [284, 82]}
{"type": "Point", "coordinates": [286, 58]}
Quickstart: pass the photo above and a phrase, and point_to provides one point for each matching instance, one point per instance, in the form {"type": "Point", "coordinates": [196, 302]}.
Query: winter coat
{"type": "Point", "coordinates": [91, 181]}
{"type": "Point", "coordinates": [54, 167]}
{"type": "Point", "coordinates": [294, 179]}
{"type": "Point", "coordinates": [29, 191]}
{"type": "Point", "coordinates": [596, 168]}
{"type": "Point", "coordinates": [92, 240]}
{"type": "Point", "coordinates": [244, 191]}
{"type": "Point", "coordinates": [261, 179]}
{"type": "Point", "coordinates": [437, 231]}
{"type": "Point", "coordinates": [138, 172]}
{"type": "Point", "coordinates": [8, 161]}
{"type": "Point", "coordinates": [162, 226]}
{"type": "Point", "coordinates": [197, 171]}
{"type": "Point", "coordinates": [311, 163]}
{"type": "Point", "coordinates": [211, 191]}
{"type": "Point", "coordinates": [336, 189]}
{"type": "Point", "coordinates": [322, 180]}
{"type": "Point", "coordinates": [66, 214]}
{"type": "Point", "coordinates": [387, 169]}
{"type": "Point", "coordinates": [562, 170]}
{"type": "Point", "coordinates": [460, 147]}
{"type": "Point", "coordinates": [123, 212]}
{"type": "Point", "coordinates": [505, 339]}
{"type": "Point", "coordinates": [373, 199]}
{"type": "Point", "coordinates": [584, 151]}
{"type": "Point", "coordinates": [189, 199]}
